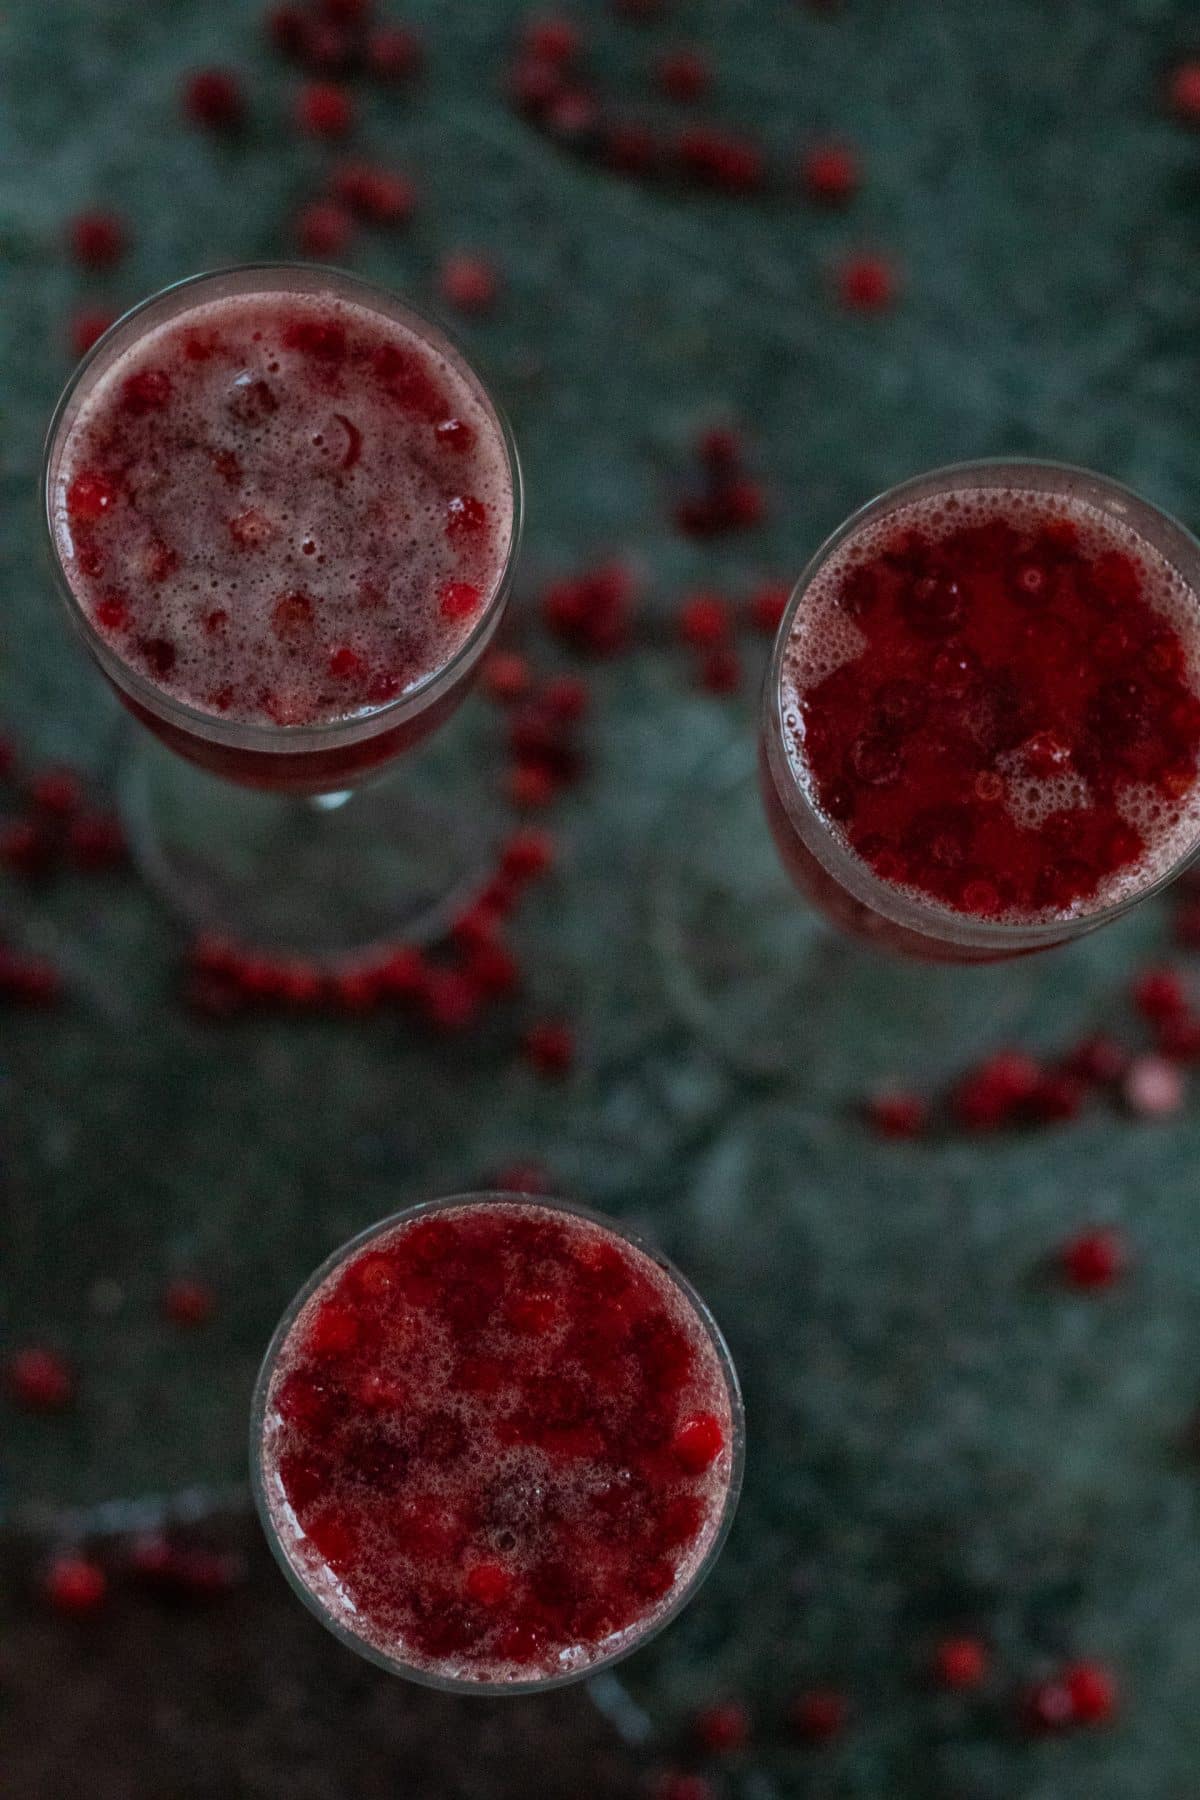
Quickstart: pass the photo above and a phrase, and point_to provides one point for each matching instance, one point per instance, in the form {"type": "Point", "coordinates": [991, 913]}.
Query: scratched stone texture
{"type": "Point", "coordinates": [937, 1437]}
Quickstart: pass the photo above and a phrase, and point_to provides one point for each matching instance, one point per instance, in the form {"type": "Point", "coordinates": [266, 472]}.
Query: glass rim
{"type": "Point", "coordinates": [395, 1665]}
{"type": "Point", "coordinates": [927, 916]}
{"type": "Point", "coordinates": [285, 740]}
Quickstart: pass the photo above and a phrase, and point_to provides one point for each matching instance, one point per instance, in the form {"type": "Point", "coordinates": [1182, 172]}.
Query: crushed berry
{"type": "Point", "coordinates": [97, 239]}
{"type": "Point", "coordinates": [39, 1380]}
{"type": "Point", "coordinates": [214, 100]}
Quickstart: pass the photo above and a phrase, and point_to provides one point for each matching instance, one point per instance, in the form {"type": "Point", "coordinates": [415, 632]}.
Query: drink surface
{"type": "Point", "coordinates": [497, 1443]}
{"type": "Point", "coordinates": [283, 508]}
{"type": "Point", "coordinates": [992, 697]}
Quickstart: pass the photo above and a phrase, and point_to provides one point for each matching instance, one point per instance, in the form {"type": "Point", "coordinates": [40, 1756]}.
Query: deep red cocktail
{"type": "Point", "coordinates": [496, 1443]}
{"type": "Point", "coordinates": [982, 719]}
{"type": "Point", "coordinates": [284, 512]}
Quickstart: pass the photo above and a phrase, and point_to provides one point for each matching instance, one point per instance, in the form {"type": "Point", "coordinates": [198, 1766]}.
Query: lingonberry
{"type": "Point", "coordinates": [567, 699]}
{"type": "Point", "coordinates": [1058, 1095]}
{"type": "Point", "coordinates": [379, 195]}
{"type": "Point", "coordinates": [1153, 1087]}
{"type": "Point", "coordinates": [97, 239]}
{"type": "Point", "coordinates": [830, 174]}
{"type": "Point", "coordinates": [722, 1728]}
{"type": "Point", "coordinates": [897, 1113]}
{"type": "Point", "coordinates": [866, 284]}
{"type": "Point", "coordinates": [961, 1663]}
{"type": "Point", "coordinates": [1178, 1038]}
{"type": "Point", "coordinates": [819, 1716]}
{"type": "Point", "coordinates": [705, 619]}
{"type": "Point", "coordinates": [324, 110]}
{"type": "Point", "coordinates": [994, 1094]}
{"type": "Point", "coordinates": [720, 670]}
{"type": "Point", "coordinates": [75, 1585]}
{"type": "Point", "coordinates": [506, 676]}
{"type": "Point", "coordinates": [1093, 1692]}
{"type": "Point", "coordinates": [698, 1442]}
{"type": "Point", "coordinates": [1159, 993]}
{"type": "Point", "coordinates": [57, 791]}
{"type": "Point", "coordinates": [324, 229]}
{"type": "Point", "coordinates": [1183, 92]}
{"type": "Point", "coordinates": [187, 1301]}
{"type": "Point", "coordinates": [719, 159]}
{"type": "Point", "coordinates": [766, 607]}
{"type": "Point", "coordinates": [39, 1380]}
{"type": "Point", "coordinates": [530, 786]}
{"type": "Point", "coordinates": [1094, 1259]}
{"type": "Point", "coordinates": [356, 988]}
{"type": "Point", "coordinates": [468, 282]}
{"type": "Point", "coordinates": [549, 1048]}
{"type": "Point", "coordinates": [683, 75]}
{"type": "Point", "coordinates": [552, 40]}
{"type": "Point", "coordinates": [493, 970]}
{"type": "Point", "coordinates": [214, 99]}
{"type": "Point", "coordinates": [402, 974]}
{"type": "Point", "coordinates": [394, 53]}
{"type": "Point", "coordinates": [459, 600]}
{"type": "Point", "coordinates": [527, 854]}
{"type": "Point", "coordinates": [87, 326]}
{"type": "Point", "coordinates": [449, 1000]}
{"type": "Point", "coordinates": [287, 28]}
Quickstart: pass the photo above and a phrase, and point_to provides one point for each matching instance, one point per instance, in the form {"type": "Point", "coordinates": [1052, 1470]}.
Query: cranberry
{"type": "Point", "coordinates": [895, 1113]}
{"type": "Point", "coordinates": [718, 159]}
{"type": "Point", "coordinates": [506, 676]}
{"type": "Point", "coordinates": [961, 1663]}
{"type": "Point", "coordinates": [698, 1442]}
{"type": "Point", "coordinates": [683, 75]}
{"type": "Point", "coordinates": [26, 845]}
{"type": "Point", "coordinates": [378, 195]}
{"type": "Point", "coordinates": [552, 40]}
{"type": "Point", "coordinates": [28, 980]}
{"type": "Point", "coordinates": [394, 53]}
{"type": "Point", "coordinates": [1098, 1059]}
{"type": "Point", "coordinates": [90, 497]}
{"type": "Point", "coordinates": [720, 1729]}
{"type": "Point", "coordinates": [323, 109]}
{"type": "Point", "coordinates": [188, 1302]}
{"type": "Point", "coordinates": [830, 174]}
{"type": "Point", "coordinates": [58, 792]}
{"type": "Point", "coordinates": [470, 283]}
{"type": "Point", "coordinates": [704, 620]}
{"type": "Point", "coordinates": [324, 229]}
{"type": "Point", "coordinates": [720, 670]}
{"type": "Point", "coordinates": [819, 1716]}
{"type": "Point", "coordinates": [767, 606]}
{"type": "Point", "coordinates": [1183, 92]}
{"type": "Point", "coordinates": [40, 1380]}
{"type": "Point", "coordinates": [287, 29]}
{"type": "Point", "coordinates": [527, 854]}
{"type": "Point", "coordinates": [97, 239]}
{"type": "Point", "coordinates": [88, 326]}
{"type": "Point", "coordinates": [1094, 1259]}
{"type": "Point", "coordinates": [459, 600]}
{"type": "Point", "coordinates": [1160, 993]}
{"type": "Point", "coordinates": [1093, 1692]}
{"type": "Point", "coordinates": [214, 100]}
{"type": "Point", "coordinates": [993, 1094]}
{"type": "Point", "coordinates": [465, 516]}
{"type": "Point", "coordinates": [549, 1048]}
{"type": "Point", "coordinates": [75, 1585]}
{"type": "Point", "coordinates": [866, 284]}
{"type": "Point", "coordinates": [1178, 1039]}
{"type": "Point", "coordinates": [450, 1000]}
{"type": "Point", "coordinates": [531, 786]}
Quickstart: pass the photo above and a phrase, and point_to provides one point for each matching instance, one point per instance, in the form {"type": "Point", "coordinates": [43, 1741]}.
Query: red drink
{"type": "Point", "coordinates": [496, 1443]}
{"type": "Point", "coordinates": [983, 719]}
{"type": "Point", "coordinates": [284, 508]}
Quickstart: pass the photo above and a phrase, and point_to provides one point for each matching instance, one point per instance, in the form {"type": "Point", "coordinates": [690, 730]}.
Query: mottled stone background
{"type": "Point", "coordinates": [937, 1437]}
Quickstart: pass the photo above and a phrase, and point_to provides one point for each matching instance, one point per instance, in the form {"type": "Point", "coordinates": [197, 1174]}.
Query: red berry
{"type": "Point", "coordinates": [705, 619]}
{"type": "Point", "coordinates": [75, 1585]}
{"type": "Point", "coordinates": [450, 1000]}
{"type": "Point", "coordinates": [287, 28]}
{"type": "Point", "coordinates": [1057, 1096]}
{"type": "Point", "coordinates": [493, 970]}
{"type": "Point", "coordinates": [1153, 1087]}
{"type": "Point", "coordinates": [459, 600]}
{"type": "Point", "coordinates": [213, 99]}
{"type": "Point", "coordinates": [719, 448]}
{"type": "Point", "coordinates": [534, 86]}
{"type": "Point", "coordinates": [188, 1302]}
{"type": "Point", "coordinates": [1093, 1692]}
{"type": "Point", "coordinates": [90, 497]}
{"type": "Point", "coordinates": [27, 846]}
{"type": "Point", "coordinates": [552, 40]}
{"type": "Point", "coordinates": [1183, 92]}
{"type": "Point", "coordinates": [57, 791]}
{"type": "Point", "coordinates": [523, 1178]}
{"type": "Point", "coordinates": [631, 148]}
{"type": "Point", "coordinates": [549, 1048]}
{"type": "Point", "coordinates": [379, 195]}
{"type": "Point", "coordinates": [394, 53]}
{"type": "Point", "coordinates": [720, 1729]}
{"type": "Point", "coordinates": [88, 326]}
{"type": "Point", "coordinates": [993, 1094]}
{"type": "Point", "coordinates": [1178, 1039]}
{"type": "Point", "coordinates": [1048, 1707]}
{"type": "Point", "coordinates": [323, 109]}
{"type": "Point", "coordinates": [40, 1380]}
{"type": "Point", "coordinates": [97, 239]}
{"type": "Point", "coordinates": [715, 158]}
{"type": "Point", "coordinates": [1094, 1259]}
{"type": "Point", "coordinates": [1159, 994]}
{"type": "Point", "coordinates": [766, 607]}
{"type": "Point", "coordinates": [894, 1113]}
{"type": "Point", "coordinates": [698, 1442]}
{"type": "Point", "coordinates": [830, 174]}
{"type": "Point", "coordinates": [28, 980]}
{"type": "Point", "coordinates": [348, 12]}
{"type": "Point", "coordinates": [683, 75]}
{"type": "Point", "coordinates": [324, 230]}
{"type": "Point", "coordinates": [468, 282]}
{"type": "Point", "coordinates": [530, 786]}
{"type": "Point", "coordinates": [489, 1583]}
{"type": "Point", "coordinates": [866, 284]}
{"type": "Point", "coordinates": [402, 974]}
{"type": "Point", "coordinates": [465, 516]}
{"type": "Point", "coordinates": [1098, 1059]}
{"type": "Point", "coordinates": [506, 676]}
{"type": "Point", "coordinates": [720, 670]}
{"type": "Point", "coordinates": [819, 1716]}
{"type": "Point", "coordinates": [355, 989]}
{"type": "Point", "coordinates": [527, 854]}
{"type": "Point", "coordinates": [961, 1663]}
{"type": "Point", "coordinates": [567, 698]}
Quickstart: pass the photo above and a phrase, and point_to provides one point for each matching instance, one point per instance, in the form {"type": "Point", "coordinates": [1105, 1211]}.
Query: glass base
{"type": "Point", "coordinates": [323, 876]}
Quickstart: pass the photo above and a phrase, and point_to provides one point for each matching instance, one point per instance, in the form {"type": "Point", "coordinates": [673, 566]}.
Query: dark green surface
{"type": "Point", "coordinates": [935, 1437]}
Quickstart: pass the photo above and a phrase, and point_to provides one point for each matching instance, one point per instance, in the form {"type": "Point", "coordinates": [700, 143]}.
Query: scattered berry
{"type": "Point", "coordinates": [683, 75]}
{"type": "Point", "coordinates": [75, 1585]}
{"type": "Point", "coordinates": [88, 326]}
{"type": "Point", "coordinates": [188, 1302]}
{"type": "Point", "coordinates": [704, 620]}
{"type": "Point", "coordinates": [550, 1048]}
{"type": "Point", "coordinates": [720, 1729]}
{"type": "Point", "coordinates": [214, 100]}
{"type": "Point", "coordinates": [1159, 994]}
{"type": "Point", "coordinates": [1093, 1692]}
{"type": "Point", "coordinates": [830, 174]}
{"type": "Point", "coordinates": [866, 284]}
{"type": "Point", "coordinates": [324, 230]}
{"type": "Point", "coordinates": [323, 109]}
{"type": "Point", "coordinates": [552, 40]}
{"type": "Point", "coordinates": [506, 676]}
{"type": "Point", "coordinates": [766, 607]}
{"type": "Point", "coordinates": [378, 195]}
{"type": "Point", "coordinates": [470, 283]}
{"type": "Point", "coordinates": [960, 1663]}
{"type": "Point", "coordinates": [39, 1380]}
{"type": "Point", "coordinates": [896, 1113]}
{"type": "Point", "coordinates": [819, 1716]}
{"type": "Point", "coordinates": [394, 53]}
{"type": "Point", "coordinates": [1094, 1259]}
{"type": "Point", "coordinates": [97, 239]}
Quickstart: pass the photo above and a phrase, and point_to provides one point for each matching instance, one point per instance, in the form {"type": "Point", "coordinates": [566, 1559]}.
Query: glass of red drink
{"type": "Point", "coordinates": [284, 514]}
{"type": "Point", "coordinates": [980, 726]}
{"type": "Point", "coordinates": [496, 1443]}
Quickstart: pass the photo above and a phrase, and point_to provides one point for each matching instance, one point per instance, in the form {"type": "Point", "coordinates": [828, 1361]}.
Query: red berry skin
{"type": "Point", "coordinates": [88, 326]}
{"type": "Point", "coordinates": [1159, 994]}
{"type": "Point", "coordinates": [705, 620]}
{"type": "Point", "coordinates": [324, 110]}
{"type": "Point", "coordinates": [1058, 1096]}
{"type": "Point", "coordinates": [1095, 1259]}
{"type": "Point", "coordinates": [380, 196]}
{"type": "Point", "coordinates": [450, 1000]}
{"type": "Point", "coordinates": [97, 240]}
{"type": "Point", "coordinates": [866, 284]}
{"type": "Point", "coordinates": [1093, 1691]}
{"type": "Point", "coordinates": [897, 1114]}
{"type": "Point", "coordinates": [75, 1586]}
{"type": "Point", "coordinates": [994, 1094]}
{"type": "Point", "coordinates": [527, 854]}
{"type": "Point", "coordinates": [961, 1663]}
{"type": "Point", "coordinates": [39, 1381]}
{"type": "Point", "coordinates": [830, 174]}
{"type": "Point", "coordinates": [214, 100]}
{"type": "Point", "coordinates": [550, 1049]}
{"type": "Point", "coordinates": [819, 1716]}
{"type": "Point", "coordinates": [469, 283]}
{"type": "Point", "coordinates": [1183, 92]}
{"type": "Point", "coordinates": [506, 676]}
{"type": "Point", "coordinates": [324, 230]}
{"type": "Point", "coordinates": [188, 1302]}
{"type": "Point", "coordinates": [723, 1728]}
